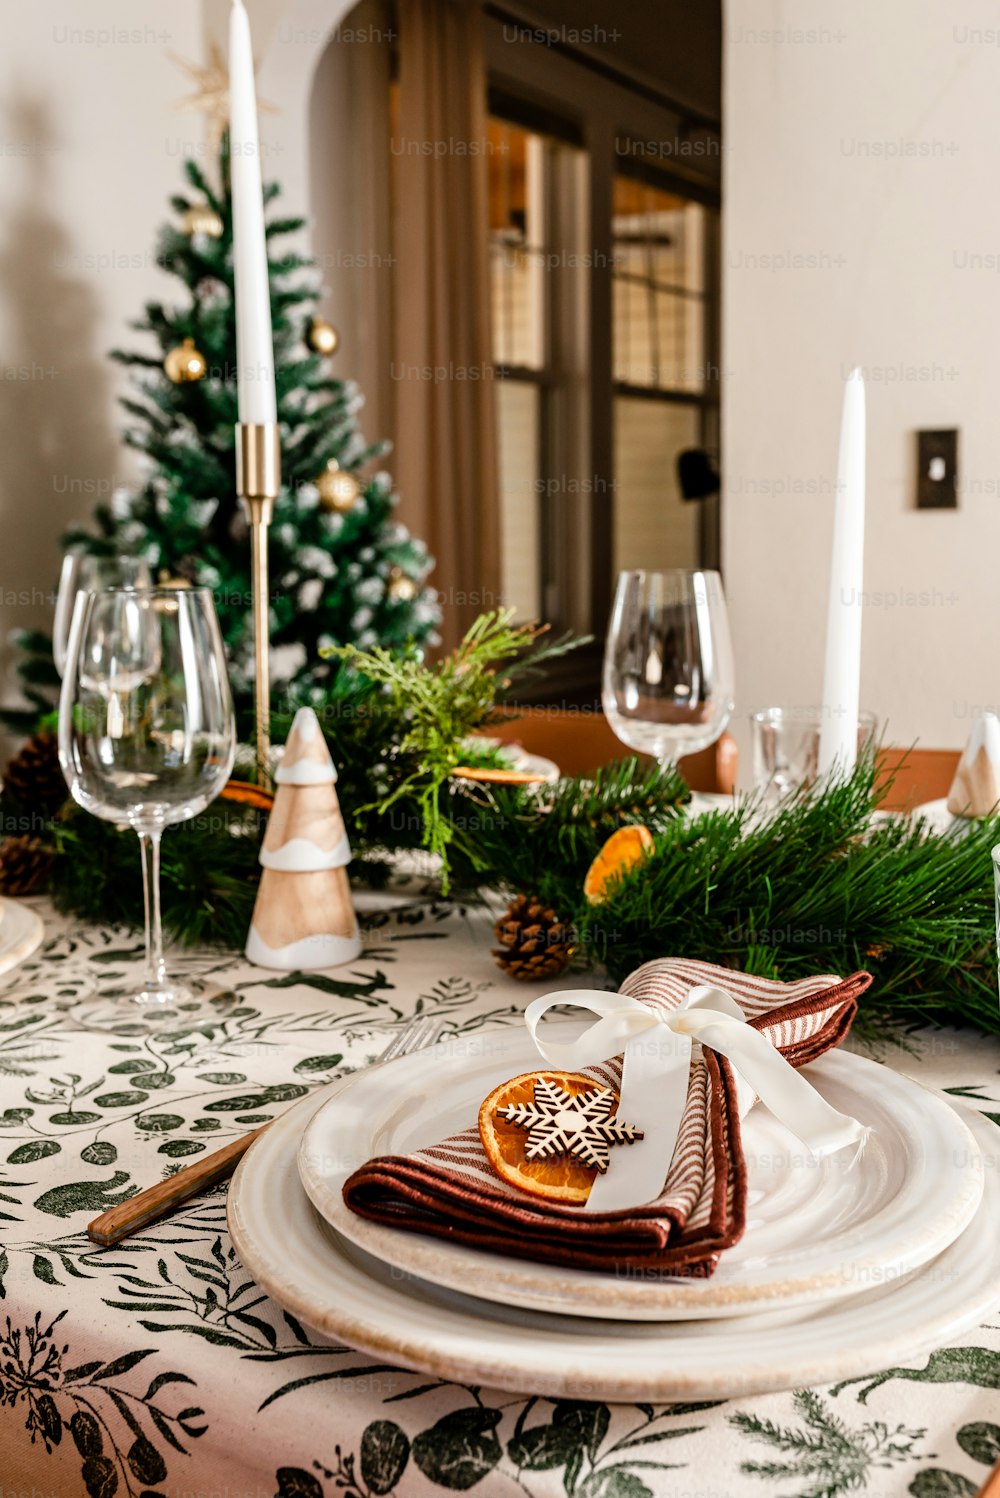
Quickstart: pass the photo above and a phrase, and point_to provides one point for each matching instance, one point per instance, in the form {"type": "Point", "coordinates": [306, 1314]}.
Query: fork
{"type": "Point", "coordinates": [157, 1201]}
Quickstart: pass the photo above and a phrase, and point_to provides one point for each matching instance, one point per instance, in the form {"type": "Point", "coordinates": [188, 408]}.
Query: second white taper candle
{"type": "Point", "coordinates": [838, 739]}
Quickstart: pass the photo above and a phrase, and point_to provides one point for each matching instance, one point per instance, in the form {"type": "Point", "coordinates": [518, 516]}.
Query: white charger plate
{"type": "Point", "coordinates": [936, 816]}
{"type": "Point", "coordinates": [21, 933]}
{"type": "Point", "coordinates": [816, 1230]}
{"type": "Point", "coordinates": [345, 1294]}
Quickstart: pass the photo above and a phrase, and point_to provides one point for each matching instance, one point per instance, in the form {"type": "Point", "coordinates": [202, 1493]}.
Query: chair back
{"type": "Point", "coordinates": [917, 775]}
{"type": "Point", "coordinates": [581, 741]}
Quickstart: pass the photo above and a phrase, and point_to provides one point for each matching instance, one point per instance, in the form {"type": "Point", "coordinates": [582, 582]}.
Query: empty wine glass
{"type": "Point", "coordinates": [668, 662]}
{"type": "Point", "coordinates": [146, 737]}
{"type": "Point", "coordinates": [83, 573]}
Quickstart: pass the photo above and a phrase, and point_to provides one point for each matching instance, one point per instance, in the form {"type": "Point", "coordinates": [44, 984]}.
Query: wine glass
{"type": "Point", "coordinates": [147, 736]}
{"type": "Point", "coordinates": [83, 573]}
{"type": "Point", "coordinates": [668, 662]}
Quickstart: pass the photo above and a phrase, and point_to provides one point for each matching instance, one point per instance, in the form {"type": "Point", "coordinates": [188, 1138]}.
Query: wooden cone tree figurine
{"type": "Point", "coordinates": [304, 917]}
{"type": "Point", "coordinates": [975, 791]}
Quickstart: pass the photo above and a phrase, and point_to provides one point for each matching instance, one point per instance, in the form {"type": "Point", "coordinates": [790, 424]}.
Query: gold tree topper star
{"type": "Point", "coordinates": [211, 96]}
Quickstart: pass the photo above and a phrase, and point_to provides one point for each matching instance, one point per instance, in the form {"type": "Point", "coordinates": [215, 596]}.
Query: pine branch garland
{"type": "Point", "coordinates": [814, 886]}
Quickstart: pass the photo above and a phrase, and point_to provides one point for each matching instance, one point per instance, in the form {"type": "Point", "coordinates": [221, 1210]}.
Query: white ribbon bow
{"type": "Point", "coordinates": [657, 1047]}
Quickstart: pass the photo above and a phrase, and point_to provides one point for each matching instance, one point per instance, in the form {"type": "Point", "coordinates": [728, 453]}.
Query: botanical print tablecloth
{"type": "Point", "coordinates": [160, 1368]}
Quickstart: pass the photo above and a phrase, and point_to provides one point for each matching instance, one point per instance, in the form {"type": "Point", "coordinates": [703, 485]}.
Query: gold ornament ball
{"type": "Point", "coordinates": [201, 219]}
{"type": "Point", "coordinates": [401, 589]}
{"type": "Point", "coordinates": [323, 337]}
{"type": "Point", "coordinates": [338, 489]}
{"type": "Point", "coordinates": [185, 364]}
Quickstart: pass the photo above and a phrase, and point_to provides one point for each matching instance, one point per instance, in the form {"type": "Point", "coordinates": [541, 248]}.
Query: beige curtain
{"type": "Point", "coordinates": [445, 459]}
{"type": "Point", "coordinates": [351, 205]}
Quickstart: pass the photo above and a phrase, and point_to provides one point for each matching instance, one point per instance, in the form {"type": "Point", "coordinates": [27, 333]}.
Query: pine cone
{"type": "Point", "coordinates": [24, 865]}
{"type": "Point", "coordinates": [534, 942]}
{"type": "Point", "coordinates": [33, 777]}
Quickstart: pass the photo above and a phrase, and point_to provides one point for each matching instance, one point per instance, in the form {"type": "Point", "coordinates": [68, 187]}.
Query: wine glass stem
{"type": "Point", "coordinates": [149, 842]}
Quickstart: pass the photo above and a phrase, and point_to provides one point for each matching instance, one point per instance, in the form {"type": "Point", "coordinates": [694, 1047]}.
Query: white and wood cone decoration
{"type": "Point", "coordinates": [975, 791]}
{"type": "Point", "coordinates": [304, 917]}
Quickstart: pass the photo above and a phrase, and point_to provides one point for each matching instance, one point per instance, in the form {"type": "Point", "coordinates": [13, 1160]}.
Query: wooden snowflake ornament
{"type": "Point", "coordinates": [550, 1134]}
{"type": "Point", "coordinates": [563, 1123]}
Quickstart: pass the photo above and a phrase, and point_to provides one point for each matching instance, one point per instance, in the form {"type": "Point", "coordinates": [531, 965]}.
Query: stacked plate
{"type": "Point", "coordinates": [21, 933]}
{"type": "Point", "coordinates": [841, 1272]}
{"type": "Point", "coordinates": [516, 758]}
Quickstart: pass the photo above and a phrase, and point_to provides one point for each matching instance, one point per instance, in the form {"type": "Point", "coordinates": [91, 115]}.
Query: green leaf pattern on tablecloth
{"type": "Point", "coordinates": [949, 1365]}
{"type": "Point", "coordinates": [122, 1436]}
{"type": "Point", "coordinates": [134, 1370]}
{"type": "Point", "coordinates": [477, 1442]}
{"type": "Point", "coordinates": [824, 1456]}
{"type": "Point", "coordinates": [980, 1441]}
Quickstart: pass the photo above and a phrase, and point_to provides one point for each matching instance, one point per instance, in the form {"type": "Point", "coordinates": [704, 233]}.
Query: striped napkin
{"type": "Point", "coordinates": [451, 1191]}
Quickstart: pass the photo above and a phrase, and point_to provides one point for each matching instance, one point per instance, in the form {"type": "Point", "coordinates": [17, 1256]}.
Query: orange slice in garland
{"type": "Point", "coordinates": [245, 793]}
{"type": "Point", "coordinates": [622, 851]}
{"type": "Point", "coordinates": [490, 776]}
{"type": "Point", "coordinates": [558, 1178]}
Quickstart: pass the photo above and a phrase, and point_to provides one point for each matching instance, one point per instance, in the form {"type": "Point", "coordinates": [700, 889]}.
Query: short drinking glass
{"type": "Point", "coordinates": [786, 747]}
{"type": "Point", "coordinates": [146, 737]}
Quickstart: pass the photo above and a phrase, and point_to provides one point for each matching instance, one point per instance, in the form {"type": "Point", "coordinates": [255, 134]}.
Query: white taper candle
{"type": "Point", "coordinates": [838, 740]}
{"type": "Point", "coordinates": [254, 343]}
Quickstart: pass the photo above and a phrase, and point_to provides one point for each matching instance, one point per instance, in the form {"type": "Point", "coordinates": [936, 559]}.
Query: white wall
{"type": "Point", "coordinates": [865, 139]}
{"type": "Point", "coordinates": [290, 37]}
{"type": "Point", "coordinates": [90, 150]}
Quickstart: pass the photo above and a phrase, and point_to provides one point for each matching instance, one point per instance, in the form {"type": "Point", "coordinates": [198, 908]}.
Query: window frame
{"type": "Point", "coordinates": [614, 121]}
{"type": "Point", "coordinates": [707, 400]}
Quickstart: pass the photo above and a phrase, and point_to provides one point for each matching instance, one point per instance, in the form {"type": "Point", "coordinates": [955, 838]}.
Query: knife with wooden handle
{"type": "Point", "coordinates": [111, 1227]}
{"type": "Point", "coordinates": [991, 1487]}
{"type": "Point", "coordinates": [156, 1201]}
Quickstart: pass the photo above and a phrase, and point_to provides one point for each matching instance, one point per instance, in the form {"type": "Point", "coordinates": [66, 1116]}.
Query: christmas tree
{"type": "Point", "coordinates": [343, 569]}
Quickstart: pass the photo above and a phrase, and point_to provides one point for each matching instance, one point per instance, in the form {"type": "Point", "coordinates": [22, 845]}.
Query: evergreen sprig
{"type": "Point", "coordinates": [433, 709]}
{"type": "Point", "coordinates": [543, 841]}
{"type": "Point", "coordinates": [208, 873]}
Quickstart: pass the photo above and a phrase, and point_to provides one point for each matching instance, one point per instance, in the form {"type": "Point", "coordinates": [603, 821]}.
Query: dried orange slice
{"type": "Point", "coordinates": [623, 850]}
{"type": "Point", "coordinates": [555, 1179]}
{"type": "Point", "coordinates": [246, 794]}
{"type": "Point", "coordinates": [497, 777]}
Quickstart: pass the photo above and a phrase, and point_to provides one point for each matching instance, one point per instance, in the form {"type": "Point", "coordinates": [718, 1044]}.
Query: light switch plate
{"type": "Point", "coordinates": [937, 470]}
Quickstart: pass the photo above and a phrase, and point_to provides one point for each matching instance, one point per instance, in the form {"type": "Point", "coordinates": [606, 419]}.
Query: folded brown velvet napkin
{"type": "Point", "coordinates": [451, 1191]}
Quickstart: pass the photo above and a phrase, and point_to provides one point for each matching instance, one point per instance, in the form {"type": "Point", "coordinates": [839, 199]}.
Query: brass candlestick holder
{"type": "Point", "coordinates": [258, 483]}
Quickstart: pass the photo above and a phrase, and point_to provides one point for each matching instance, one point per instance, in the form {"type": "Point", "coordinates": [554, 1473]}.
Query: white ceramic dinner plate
{"type": "Point", "coordinates": [816, 1230]}
{"type": "Point", "coordinates": [345, 1294]}
{"type": "Point", "coordinates": [702, 801]}
{"type": "Point", "coordinates": [935, 815]}
{"type": "Point", "coordinates": [536, 764]}
{"type": "Point", "coordinates": [21, 933]}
